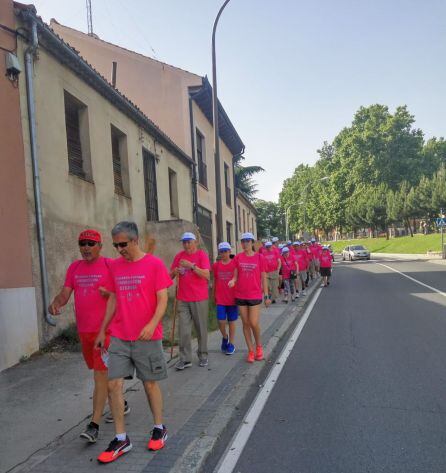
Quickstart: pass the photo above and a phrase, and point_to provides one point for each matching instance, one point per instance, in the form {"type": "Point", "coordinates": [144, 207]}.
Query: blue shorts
{"type": "Point", "coordinates": [227, 312]}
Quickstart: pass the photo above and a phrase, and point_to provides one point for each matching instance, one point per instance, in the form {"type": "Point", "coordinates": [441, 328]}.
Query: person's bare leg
{"type": "Point", "coordinates": [155, 398]}
{"type": "Point", "coordinates": [222, 327]}
{"type": "Point", "coordinates": [231, 332]}
{"type": "Point", "coordinates": [116, 399]}
{"type": "Point", "coordinates": [246, 327]}
{"type": "Point", "coordinates": [254, 316]}
{"type": "Point", "coordinates": [100, 394]}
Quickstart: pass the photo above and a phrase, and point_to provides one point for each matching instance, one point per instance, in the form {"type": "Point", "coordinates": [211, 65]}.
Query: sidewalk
{"type": "Point", "coordinates": [46, 401]}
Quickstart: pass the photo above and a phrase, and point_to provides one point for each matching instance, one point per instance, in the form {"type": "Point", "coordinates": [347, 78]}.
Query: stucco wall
{"type": "Point", "coordinates": [249, 216]}
{"type": "Point", "coordinates": [71, 204]}
{"type": "Point", "coordinates": [207, 196]}
{"type": "Point", "coordinates": [160, 90]}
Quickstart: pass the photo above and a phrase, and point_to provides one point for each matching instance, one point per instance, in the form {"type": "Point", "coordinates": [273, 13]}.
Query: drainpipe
{"type": "Point", "coordinates": [235, 195]}
{"type": "Point", "coordinates": [29, 63]}
{"type": "Point", "coordinates": [194, 166]}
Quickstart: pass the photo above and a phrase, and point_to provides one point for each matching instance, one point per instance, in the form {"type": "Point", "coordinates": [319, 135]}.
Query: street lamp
{"type": "Point", "coordinates": [216, 134]}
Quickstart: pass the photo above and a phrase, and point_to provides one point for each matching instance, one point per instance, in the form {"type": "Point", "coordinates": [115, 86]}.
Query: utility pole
{"type": "Point", "coordinates": [216, 134]}
{"type": "Point", "coordinates": [89, 18]}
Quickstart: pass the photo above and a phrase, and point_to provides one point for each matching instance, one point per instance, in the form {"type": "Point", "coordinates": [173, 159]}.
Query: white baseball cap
{"type": "Point", "coordinates": [285, 249]}
{"type": "Point", "coordinates": [274, 239]}
{"type": "Point", "coordinates": [268, 244]}
{"type": "Point", "coordinates": [247, 236]}
{"type": "Point", "coordinates": [188, 236]}
{"type": "Point", "coordinates": [223, 246]}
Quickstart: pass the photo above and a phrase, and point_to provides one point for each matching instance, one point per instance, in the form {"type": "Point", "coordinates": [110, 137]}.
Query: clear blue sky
{"type": "Point", "coordinates": [291, 72]}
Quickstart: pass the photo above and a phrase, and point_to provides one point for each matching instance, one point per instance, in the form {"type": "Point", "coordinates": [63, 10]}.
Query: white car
{"type": "Point", "coordinates": [355, 252]}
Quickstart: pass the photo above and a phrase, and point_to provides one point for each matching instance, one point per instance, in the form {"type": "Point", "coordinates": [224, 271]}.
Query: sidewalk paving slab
{"type": "Point", "coordinates": [198, 404]}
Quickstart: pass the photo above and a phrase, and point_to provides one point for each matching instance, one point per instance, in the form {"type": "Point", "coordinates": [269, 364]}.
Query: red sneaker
{"type": "Point", "coordinates": [159, 437]}
{"type": "Point", "coordinates": [259, 353]}
{"type": "Point", "coordinates": [250, 358]}
{"type": "Point", "coordinates": [115, 449]}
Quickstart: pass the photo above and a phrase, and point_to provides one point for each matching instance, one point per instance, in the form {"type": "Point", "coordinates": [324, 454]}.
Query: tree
{"type": "Point", "coordinates": [243, 177]}
{"type": "Point", "coordinates": [270, 219]}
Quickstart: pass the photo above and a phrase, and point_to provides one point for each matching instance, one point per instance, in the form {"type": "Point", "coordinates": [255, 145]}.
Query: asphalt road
{"type": "Point", "coordinates": [364, 389]}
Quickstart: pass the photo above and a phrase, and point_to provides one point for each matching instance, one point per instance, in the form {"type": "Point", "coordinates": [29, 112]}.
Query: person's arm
{"type": "Point", "coordinates": [266, 298]}
{"type": "Point", "coordinates": [60, 300]}
{"type": "Point", "coordinates": [161, 306]}
{"type": "Point", "coordinates": [280, 264]}
{"type": "Point", "coordinates": [202, 273]}
{"type": "Point", "coordinates": [109, 314]}
{"type": "Point", "coordinates": [233, 281]}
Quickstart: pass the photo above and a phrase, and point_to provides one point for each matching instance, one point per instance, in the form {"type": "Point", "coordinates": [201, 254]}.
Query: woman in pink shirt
{"type": "Point", "coordinates": [289, 274]}
{"type": "Point", "coordinates": [325, 264]}
{"type": "Point", "coordinates": [251, 287]}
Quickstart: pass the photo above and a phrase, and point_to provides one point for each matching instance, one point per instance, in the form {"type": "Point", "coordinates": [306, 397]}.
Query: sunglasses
{"type": "Point", "coordinates": [246, 240]}
{"type": "Point", "coordinates": [122, 244]}
{"type": "Point", "coordinates": [223, 251]}
{"type": "Point", "coordinates": [90, 243]}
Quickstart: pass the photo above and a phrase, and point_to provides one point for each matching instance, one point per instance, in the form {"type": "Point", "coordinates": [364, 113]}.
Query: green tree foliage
{"type": "Point", "coordinates": [270, 219]}
{"type": "Point", "coordinates": [377, 171]}
{"type": "Point", "coordinates": [244, 177]}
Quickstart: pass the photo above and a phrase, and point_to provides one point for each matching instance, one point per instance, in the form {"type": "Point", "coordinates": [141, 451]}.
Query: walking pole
{"type": "Point", "coordinates": [174, 315]}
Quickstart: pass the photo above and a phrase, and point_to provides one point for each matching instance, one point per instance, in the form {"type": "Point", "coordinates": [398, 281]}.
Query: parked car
{"type": "Point", "coordinates": [355, 252]}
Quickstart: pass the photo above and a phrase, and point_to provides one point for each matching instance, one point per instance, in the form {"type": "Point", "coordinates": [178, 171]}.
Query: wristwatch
{"type": "Point", "coordinates": [265, 298]}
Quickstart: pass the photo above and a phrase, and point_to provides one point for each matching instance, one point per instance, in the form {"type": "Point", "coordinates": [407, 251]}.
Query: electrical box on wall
{"type": "Point", "coordinates": [13, 68]}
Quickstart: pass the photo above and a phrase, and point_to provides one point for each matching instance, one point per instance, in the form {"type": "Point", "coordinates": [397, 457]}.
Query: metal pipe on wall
{"type": "Point", "coordinates": [29, 63]}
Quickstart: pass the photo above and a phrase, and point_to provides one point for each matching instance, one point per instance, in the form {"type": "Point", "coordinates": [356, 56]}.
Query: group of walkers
{"type": "Point", "coordinates": [120, 303]}
{"type": "Point", "coordinates": [291, 265]}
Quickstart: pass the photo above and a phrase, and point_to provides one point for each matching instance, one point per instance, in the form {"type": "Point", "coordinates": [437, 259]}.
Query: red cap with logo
{"type": "Point", "coordinates": [90, 234]}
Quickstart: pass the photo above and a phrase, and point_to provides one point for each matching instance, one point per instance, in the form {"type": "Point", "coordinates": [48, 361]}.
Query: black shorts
{"type": "Point", "coordinates": [248, 302]}
{"type": "Point", "coordinates": [325, 272]}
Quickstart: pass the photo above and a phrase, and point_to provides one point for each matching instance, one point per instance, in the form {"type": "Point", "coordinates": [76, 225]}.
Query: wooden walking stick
{"type": "Point", "coordinates": [174, 315]}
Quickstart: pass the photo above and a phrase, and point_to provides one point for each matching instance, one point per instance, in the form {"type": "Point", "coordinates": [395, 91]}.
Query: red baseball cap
{"type": "Point", "coordinates": [90, 234]}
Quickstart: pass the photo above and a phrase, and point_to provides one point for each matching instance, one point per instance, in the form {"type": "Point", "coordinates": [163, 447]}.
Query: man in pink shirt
{"type": "Point", "coordinates": [136, 306]}
{"type": "Point", "coordinates": [302, 264]}
{"type": "Point", "coordinates": [316, 251]}
{"type": "Point", "coordinates": [273, 265]}
{"type": "Point", "coordinates": [87, 278]}
{"type": "Point", "coordinates": [192, 268]}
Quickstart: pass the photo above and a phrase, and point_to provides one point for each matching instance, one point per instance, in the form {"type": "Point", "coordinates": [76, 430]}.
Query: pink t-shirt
{"type": "Point", "coordinates": [302, 260]}
{"type": "Point", "coordinates": [135, 284]}
{"type": "Point", "coordinates": [316, 250]}
{"type": "Point", "coordinates": [191, 287]}
{"type": "Point", "coordinates": [249, 278]}
{"type": "Point", "coordinates": [274, 248]}
{"type": "Point", "coordinates": [85, 278]}
{"type": "Point", "coordinates": [325, 259]}
{"type": "Point", "coordinates": [272, 260]}
{"type": "Point", "coordinates": [262, 250]}
{"type": "Point", "coordinates": [223, 273]}
{"type": "Point", "coordinates": [288, 265]}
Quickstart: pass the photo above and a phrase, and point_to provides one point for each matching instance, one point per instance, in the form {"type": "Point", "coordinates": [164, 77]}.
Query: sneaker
{"type": "Point", "coordinates": [296, 296]}
{"type": "Point", "coordinates": [230, 350]}
{"type": "Point", "coordinates": [203, 362]}
{"type": "Point", "coordinates": [115, 449]}
{"type": "Point", "coordinates": [158, 439]}
{"type": "Point", "coordinates": [273, 301]}
{"type": "Point", "coordinates": [259, 353]}
{"type": "Point", "coordinates": [90, 433]}
{"type": "Point", "coordinates": [285, 301]}
{"type": "Point", "coordinates": [109, 419]}
{"type": "Point", "coordinates": [224, 344]}
{"type": "Point", "coordinates": [304, 292]}
{"type": "Point", "coordinates": [250, 358]}
{"type": "Point", "coordinates": [181, 365]}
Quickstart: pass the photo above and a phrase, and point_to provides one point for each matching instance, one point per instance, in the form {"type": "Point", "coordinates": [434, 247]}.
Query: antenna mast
{"type": "Point", "coordinates": [89, 18]}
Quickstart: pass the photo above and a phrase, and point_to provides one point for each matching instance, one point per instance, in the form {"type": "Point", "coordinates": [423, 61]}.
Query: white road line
{"type": "Point", "coordinates": [229, 460]}
{"type": "Point", "coordinates": [414, 280]}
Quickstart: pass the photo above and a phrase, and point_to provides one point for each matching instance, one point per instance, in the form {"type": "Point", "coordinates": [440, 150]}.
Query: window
{"type": "Point", "coordinates": [78, 143]}
{"type": "Point", "coordinates": [173, 194]}
{"type": "Point", "coordinates": [239, 219]}
{"type": "Point", "coordinates": [227, 185]}
{"type": "Point", "coordinates": [201, 160]}
{"type": "Point", "coordinates": [120, 163]}
{"type": "Point", "coordinates": [204, 222]}
{"type": "Point", "coordinates": [228, 232]}
{"type": "Point", "coordinates": [151, 192]}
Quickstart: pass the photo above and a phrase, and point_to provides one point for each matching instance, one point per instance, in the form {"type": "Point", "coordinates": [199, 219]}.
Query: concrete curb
{"type": "Point", "coordinates": [245, 378]}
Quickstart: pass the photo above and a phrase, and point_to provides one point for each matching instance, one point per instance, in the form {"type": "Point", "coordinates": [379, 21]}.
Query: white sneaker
{"type": "Point", "coordinates": [304, 292]}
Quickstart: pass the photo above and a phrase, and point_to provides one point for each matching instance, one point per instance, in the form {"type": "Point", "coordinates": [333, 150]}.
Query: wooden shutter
{"type": "Point", "coordinates": [150, 185]}
{"type": "Point", "coordinates": [74, 148]}
{"type": "Point", "coordinates": [117, 171]}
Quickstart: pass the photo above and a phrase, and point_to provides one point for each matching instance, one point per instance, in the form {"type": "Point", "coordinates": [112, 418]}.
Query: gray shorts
{"type": "Point", "coordinates": [146, 357]}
